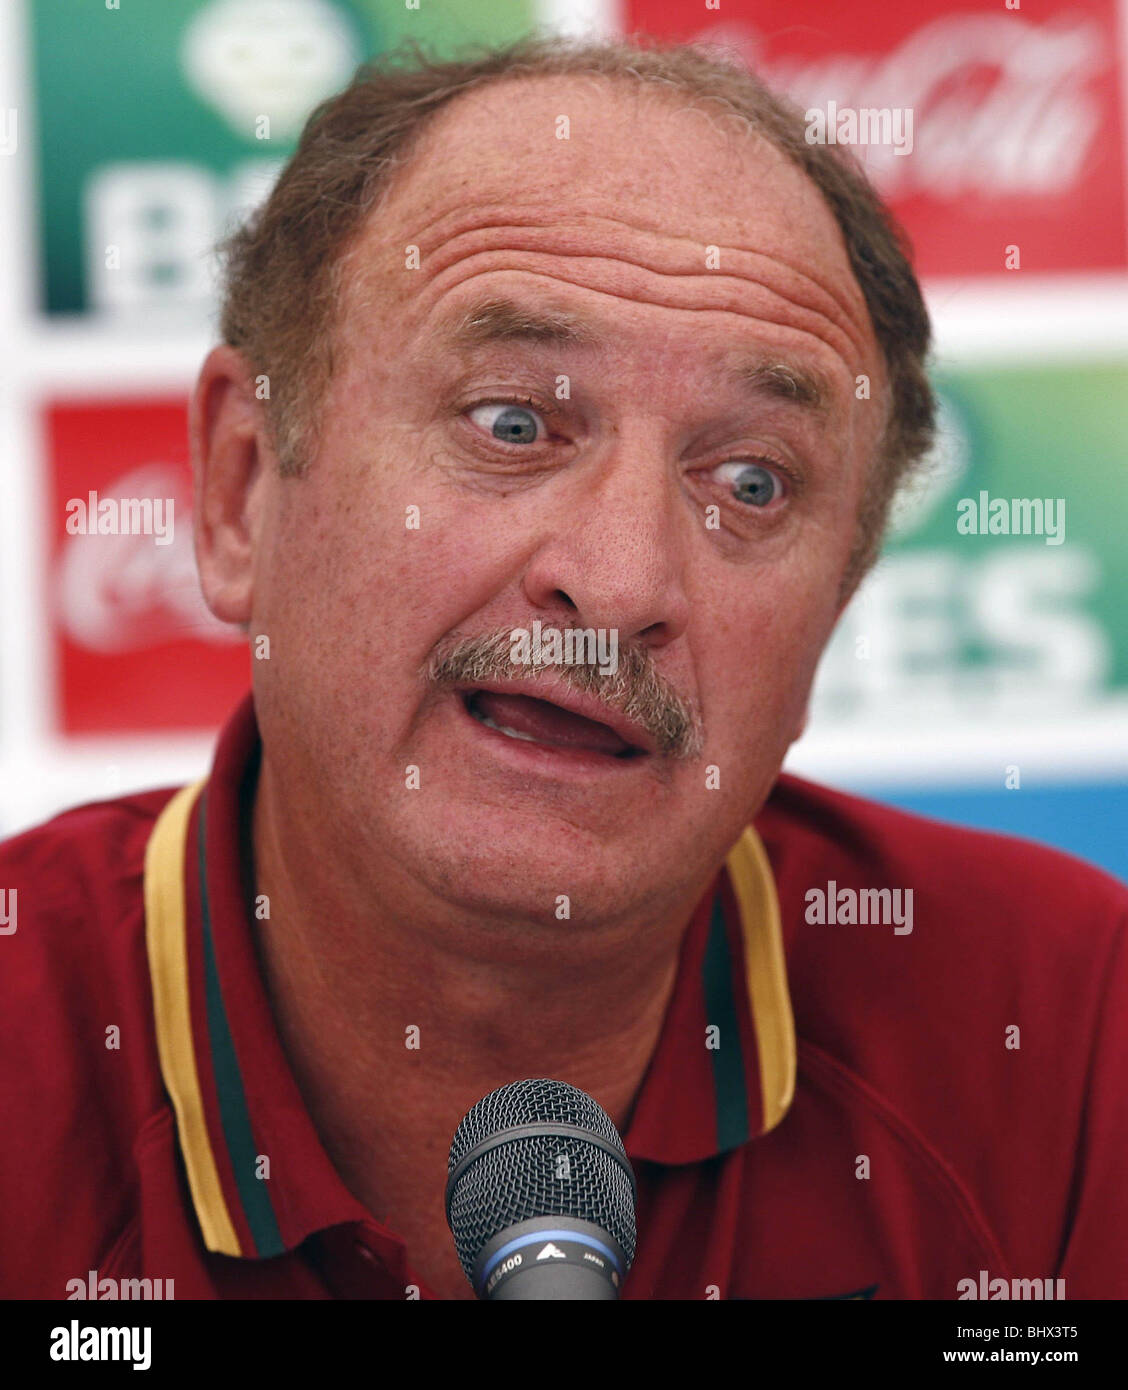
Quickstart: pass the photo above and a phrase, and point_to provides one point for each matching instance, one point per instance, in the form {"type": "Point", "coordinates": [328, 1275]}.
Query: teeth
{"type": "Point", "coordinates": [509, 733]}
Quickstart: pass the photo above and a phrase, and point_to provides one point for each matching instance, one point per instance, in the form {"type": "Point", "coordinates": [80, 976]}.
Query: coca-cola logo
{"type": "Point", "coordinates": [1001, 106]}
{"type": "Point", "coordinates": [119, 592]}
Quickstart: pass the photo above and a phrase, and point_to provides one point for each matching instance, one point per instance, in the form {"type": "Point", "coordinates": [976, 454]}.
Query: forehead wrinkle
{"type": "Point", "coordinates": [668, 248]}
{"type": "Point", "coordinates": [796, 291]}
{"type": "Point", "coordinates": [716, 295]}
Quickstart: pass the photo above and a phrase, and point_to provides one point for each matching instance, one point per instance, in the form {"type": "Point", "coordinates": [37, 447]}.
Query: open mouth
{"type": "Point", "coordinates": [530, 720]}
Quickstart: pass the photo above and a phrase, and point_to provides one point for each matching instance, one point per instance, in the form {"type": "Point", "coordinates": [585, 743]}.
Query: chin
{"type": "Point", "coordinates": [519, 864]}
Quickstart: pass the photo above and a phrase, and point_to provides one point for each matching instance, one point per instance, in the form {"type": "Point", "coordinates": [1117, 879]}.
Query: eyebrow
{"type": "Point", "coordinates": [499, 321]}
{"type": "Point", "coordinates": [503, 321]}
{"type": "Point", "coordinates": [784, 381]}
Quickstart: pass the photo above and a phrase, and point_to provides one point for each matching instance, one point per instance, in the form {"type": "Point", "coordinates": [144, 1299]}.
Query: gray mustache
{"type": "Point", "coordinates": [635, 690]}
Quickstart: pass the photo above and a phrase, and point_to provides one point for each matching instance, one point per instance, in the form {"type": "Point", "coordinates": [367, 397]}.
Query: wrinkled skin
{"type": "Point", "coordinates": [438, 907]}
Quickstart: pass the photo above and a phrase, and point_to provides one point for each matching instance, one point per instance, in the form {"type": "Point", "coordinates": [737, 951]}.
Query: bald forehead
{"type": "Point", "coordinates": [655, 155]}
{"type": "Point", "coordinates": [648, 200]}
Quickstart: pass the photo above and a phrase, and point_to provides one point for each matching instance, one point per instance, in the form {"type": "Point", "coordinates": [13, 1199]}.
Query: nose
{"type": "Point", "coordinates": [617, 558]}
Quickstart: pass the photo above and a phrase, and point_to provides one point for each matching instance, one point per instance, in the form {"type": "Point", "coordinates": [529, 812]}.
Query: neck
{"type": "Point", "coordinates": [398, 1011]}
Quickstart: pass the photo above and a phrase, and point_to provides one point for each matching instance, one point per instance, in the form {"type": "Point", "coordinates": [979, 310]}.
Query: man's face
{"type": "Point", "coordinates": [665, 483]}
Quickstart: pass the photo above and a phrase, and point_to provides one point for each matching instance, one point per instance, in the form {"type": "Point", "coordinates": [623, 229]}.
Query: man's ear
{"type": "Point", "coordinates": [230, 458]}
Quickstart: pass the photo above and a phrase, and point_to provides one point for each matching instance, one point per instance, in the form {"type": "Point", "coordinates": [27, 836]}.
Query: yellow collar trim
{"type": "Point", "coordinates": [166, 942]}
{"type": "Point", "coordinates": [754, 885]}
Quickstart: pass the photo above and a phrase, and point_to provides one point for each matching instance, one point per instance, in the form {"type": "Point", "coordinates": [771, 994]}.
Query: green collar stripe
{"type": "Point", "coordinates": [724, 1047]}
{"type": "Point", "coordinates": [233, 1113]}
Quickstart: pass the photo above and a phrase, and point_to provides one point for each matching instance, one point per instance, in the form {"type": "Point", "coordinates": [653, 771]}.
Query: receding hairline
{"type": "Point", "coordinates": [283, 268]}
{"type": "Point", "coordinates": [665, 93]}
{"type": "Point", "coordinates": [500, 317]}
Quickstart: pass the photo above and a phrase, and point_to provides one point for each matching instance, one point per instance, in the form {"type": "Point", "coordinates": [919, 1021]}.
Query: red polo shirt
{"type": "Point", "coordinates": [888, 1112]}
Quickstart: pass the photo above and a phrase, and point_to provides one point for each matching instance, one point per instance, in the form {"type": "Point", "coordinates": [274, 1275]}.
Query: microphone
{"type": "Point", "coordinates": [541, 1195]}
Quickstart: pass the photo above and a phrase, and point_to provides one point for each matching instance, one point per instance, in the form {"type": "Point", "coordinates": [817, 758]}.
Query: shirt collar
{"type": "Point", "coordinates": [723, 1071]}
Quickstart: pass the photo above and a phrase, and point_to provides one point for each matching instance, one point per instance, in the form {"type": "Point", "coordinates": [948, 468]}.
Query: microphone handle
{"type": "Point", "coordinates": [550, 1258]}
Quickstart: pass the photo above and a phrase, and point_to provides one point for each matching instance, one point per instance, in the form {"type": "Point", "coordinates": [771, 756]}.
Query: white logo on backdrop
{"type": "Point", "coordinates": [116, 593]}
{"type": "Point", "coordinates": [275, 58]}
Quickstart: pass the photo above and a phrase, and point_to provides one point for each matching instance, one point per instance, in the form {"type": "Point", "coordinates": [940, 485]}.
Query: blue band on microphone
{"type": "Point", "coordinates": [538, 1238]}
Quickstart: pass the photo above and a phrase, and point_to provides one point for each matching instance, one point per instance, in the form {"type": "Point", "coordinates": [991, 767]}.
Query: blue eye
{"type": "Point", "coordinates": [752, 483]}
{"type": "Point", "coordinates": [513, 424]}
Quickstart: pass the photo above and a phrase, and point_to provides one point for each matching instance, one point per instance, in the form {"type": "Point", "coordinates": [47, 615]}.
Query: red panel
{"type": "Point", "coordinates": [135, 649]}
{"type": "Point", "coordinates": [1018, 116]}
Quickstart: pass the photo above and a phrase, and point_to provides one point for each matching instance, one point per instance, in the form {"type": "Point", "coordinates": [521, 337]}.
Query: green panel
{"type": "Point", "coordinates": [956, 626]}
{"type": "Point", "coordinates": [447, 26]}
{"type": "Point", "coordinates": [1047, 431]}
{"type": "Point", "coordinates": [117, 86]}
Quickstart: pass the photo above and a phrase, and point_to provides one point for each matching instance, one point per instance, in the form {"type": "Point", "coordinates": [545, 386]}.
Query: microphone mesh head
{"type": "Point", "coordinates": [539, 1175]}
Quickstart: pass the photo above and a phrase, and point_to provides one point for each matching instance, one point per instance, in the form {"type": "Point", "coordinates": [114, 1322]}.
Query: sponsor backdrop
{"type": "Point", "coordinates": [1017, 129]}
{"type": "Point", "coordinates": [150, 124]}
{"type": "Point", "coordinates": [133, 644]}
{"type": "Point", "coordinates": [982, 672]}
